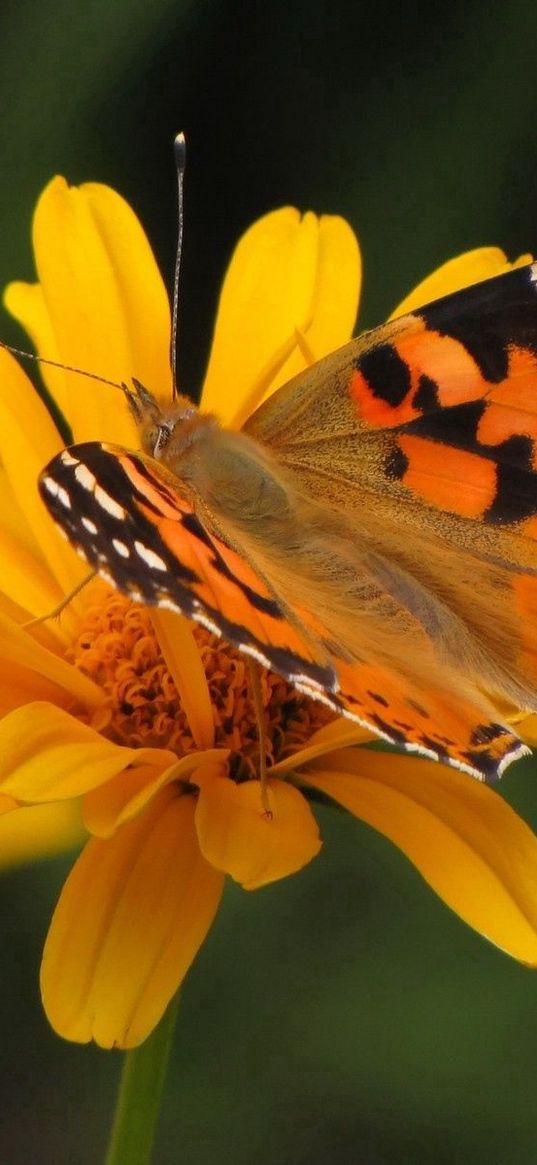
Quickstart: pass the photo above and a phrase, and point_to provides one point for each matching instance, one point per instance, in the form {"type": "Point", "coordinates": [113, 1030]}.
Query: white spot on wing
{"type": "Point", "coordinates": [53, 487]}
{"type": "Point", "coordinates": [149, 557]}
{"type": "Point", "coordinates": [108, 503]}
{"type": "Point", "coordinates": [120, 547]}
{"type": "Point", "coordinates": [84, 476]}
{"type": "Point", "coordinates": [168, 605]}
{"type": "Point", "coordinates": [533, 273]}
{"type": "Point", "coordinates": [66, 459]}
{"type": "Point", "coordinates": [89, 526]}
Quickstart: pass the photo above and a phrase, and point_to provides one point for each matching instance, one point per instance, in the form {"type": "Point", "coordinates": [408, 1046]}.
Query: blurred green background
{"type": "Point", "coordinates": [345, 1014]}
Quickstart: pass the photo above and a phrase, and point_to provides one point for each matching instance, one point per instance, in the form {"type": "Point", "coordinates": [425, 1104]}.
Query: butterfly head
{"type": "Point", "coordinates": [164, 432]}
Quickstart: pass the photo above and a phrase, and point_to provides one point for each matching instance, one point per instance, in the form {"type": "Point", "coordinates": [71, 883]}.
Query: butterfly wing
{"type": "Point", "coordinates": [424, 433]}
{"type": "Point", "coordinates": [136, 527]}
{"type": "Point", "coordinates": [437, 409]}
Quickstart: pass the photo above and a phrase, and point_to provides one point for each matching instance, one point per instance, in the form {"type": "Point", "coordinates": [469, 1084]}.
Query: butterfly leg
{"type": "Point", "coordinates": [257, 695]}
{"type": "Point", "coordinates": [56, 612]}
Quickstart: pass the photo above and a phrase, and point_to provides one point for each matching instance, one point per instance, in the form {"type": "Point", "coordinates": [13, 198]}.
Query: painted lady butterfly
{"type": "Point", "coordinates": [371, 532]}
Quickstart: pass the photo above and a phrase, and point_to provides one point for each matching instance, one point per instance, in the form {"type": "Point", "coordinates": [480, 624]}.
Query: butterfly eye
{"type": "Point", "coordinates": [158, 437]}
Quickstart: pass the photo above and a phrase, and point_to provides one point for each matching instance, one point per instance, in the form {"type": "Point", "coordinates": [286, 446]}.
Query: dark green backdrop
{"type": "Point", "coordinates": [343, 1015]}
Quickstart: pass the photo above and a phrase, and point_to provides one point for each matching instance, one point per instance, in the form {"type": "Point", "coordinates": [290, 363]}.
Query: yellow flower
{"type": "Point", "coordinates": [146, 723]}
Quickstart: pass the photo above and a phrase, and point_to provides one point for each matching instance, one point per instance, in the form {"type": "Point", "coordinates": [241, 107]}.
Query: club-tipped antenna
{"type": "Point", "coordinates": [58, 364]}
{"type": "Point", "coordinates": [179, 149]}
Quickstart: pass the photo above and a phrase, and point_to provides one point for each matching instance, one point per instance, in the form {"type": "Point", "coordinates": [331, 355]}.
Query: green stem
{"type": "Point", "coordinates": [139, 1096]}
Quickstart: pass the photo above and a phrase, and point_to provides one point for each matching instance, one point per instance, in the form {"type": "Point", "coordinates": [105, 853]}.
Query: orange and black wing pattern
{"type": "Point", "coordinates": [442, 401]}
{"type": "Point", "coordinates": [460, 386]}
{"type": "Point", "coordinates": [143, 536]}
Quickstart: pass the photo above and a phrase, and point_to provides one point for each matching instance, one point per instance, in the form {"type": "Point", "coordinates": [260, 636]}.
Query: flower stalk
{"type": "Point", "coordinates": [140, 1093]}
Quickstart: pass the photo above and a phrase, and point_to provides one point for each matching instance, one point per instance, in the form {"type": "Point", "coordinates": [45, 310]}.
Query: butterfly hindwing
{"type": "Point", "coordinates": [442, 401]}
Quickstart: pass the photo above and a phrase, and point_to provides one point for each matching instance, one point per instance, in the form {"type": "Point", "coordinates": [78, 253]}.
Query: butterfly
{"type": "Point", "coordinates": [370, 533]}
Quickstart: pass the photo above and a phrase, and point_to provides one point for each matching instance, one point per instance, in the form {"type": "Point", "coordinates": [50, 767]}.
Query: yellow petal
{"type": "Point", "coordinates": [236, 835]}
{"type": "Point", "coordinates": [466, 269]}
{"type": "Point", "coordinates": [26, 303]}
{"type": "Point", "coordinates": [12, 517]}
{"type": "Point", "coordinates": [28, 439]}
{"type": "Point", "coordinates": [109, 806]}
{"type": "Point", "coordinates": [46, 755]}
{"type": "Point", "coordinates": [144, 298]}
{"type": "Point", "coordinates": [20, 685]}
{"type": "Point", "coordinates": [22, 648]}
{"type": "Point", "coordinates": [26, 579]}
{"type": "Point", "coordinates": [106, 304]}
{"type": "Point", "coordinates": [471, 847]}
{"type": "Point", "coordinates": [130, 920]}
{"type": "Point", "coordinates": [7, 804]}
{"type": "Point", "coordinates": [287, 273]}
{"type": "Point", "coordinates": [34, 832]}
{"type": "Point", "coordinates": [182, 655]}
{"type": "Point", "coordinates": [337, 290]}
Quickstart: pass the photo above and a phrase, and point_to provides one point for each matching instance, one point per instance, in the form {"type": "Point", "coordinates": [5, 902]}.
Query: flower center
{"type": "Point", "coordinates": [116, 646]}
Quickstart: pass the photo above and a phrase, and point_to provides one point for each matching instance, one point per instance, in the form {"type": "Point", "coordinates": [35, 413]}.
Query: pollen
{"type": "Point", "coordinates": [116, 646]}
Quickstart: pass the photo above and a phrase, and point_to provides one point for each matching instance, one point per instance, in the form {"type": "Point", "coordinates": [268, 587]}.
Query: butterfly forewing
{"type": "Point", "coordinates": [144, 538]}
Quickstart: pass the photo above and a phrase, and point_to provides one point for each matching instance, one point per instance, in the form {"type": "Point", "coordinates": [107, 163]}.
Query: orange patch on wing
{"type": "Point", "coordinates": [162, 497]}
{"type": "Point", "coordinates": [445, 361]}
{"type": "Point", "coordinates": [426, 353]}
{"type": "Point", "coordinates": [530, 528]}
{"type": "Point", "coordinates": [223, 593]}
{"type": "Point", "coordinates": [450, 479]}
{"type": "Point", "coordinates": [446, 724]}
{"type": "Point", "coordinates": [512, 405]}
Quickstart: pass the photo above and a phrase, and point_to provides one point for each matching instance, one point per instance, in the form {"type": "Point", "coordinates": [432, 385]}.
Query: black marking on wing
{"type": "Point", "coordinates": [516, 496]}
{"type": "Point", "coordinates": [396, 464]}
{"type": "Point", "coordinates": [485, 760]}
{"type": "Point", "coordinates": [426, 395]}
{"type": "Point", "coordinates": [268, 606]}
{"type": "Point", "coordinates": [436, 746]}
{"type": "Point", "coordinates": [376, 696]}
{"type": "Point", "coordinates": [489, 318]}
{"type": "Point", "coordinates": [388, 730]}
{"type": "Point", "coordinates": [486, 733]}
{"type": "Point", "coordinates": [157, 484]}
{"type": "Point", "coordinates": [175, 581]}
{"type": "Point", "coordinates": [458, 426]}
{"type": "Point", "coordinates": [387, 375]}
{"type": "Point", "coordinates": [455, 426]}
{"type": "Point", "coordinates": [418, 708]}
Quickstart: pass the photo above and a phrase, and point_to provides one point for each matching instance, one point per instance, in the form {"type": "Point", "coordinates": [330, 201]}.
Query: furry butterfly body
{"type": "Point", "coordinates": [369, 534]}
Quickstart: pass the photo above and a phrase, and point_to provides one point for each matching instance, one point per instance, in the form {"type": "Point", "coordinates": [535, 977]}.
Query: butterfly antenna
{"type": "Point", "coordinates": [179, 147]}
{"type": "Point", "coordinates": [64, 367]}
